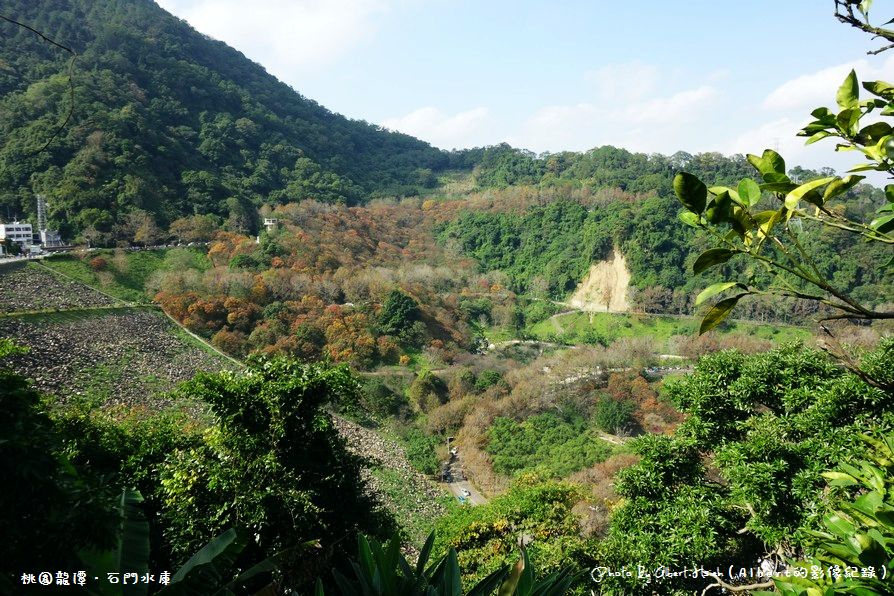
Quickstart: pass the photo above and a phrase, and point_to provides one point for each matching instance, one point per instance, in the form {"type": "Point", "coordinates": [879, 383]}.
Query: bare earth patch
{"type": "Point", "coordinates": [604, 289]}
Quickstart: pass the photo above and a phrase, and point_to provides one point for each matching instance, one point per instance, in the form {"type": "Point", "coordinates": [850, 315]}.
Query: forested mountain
{"type": "Point", "coordinates": [169, 121]}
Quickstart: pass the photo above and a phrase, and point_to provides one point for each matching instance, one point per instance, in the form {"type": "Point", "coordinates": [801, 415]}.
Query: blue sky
{"type": "Point", "coordinates": [650, 76]}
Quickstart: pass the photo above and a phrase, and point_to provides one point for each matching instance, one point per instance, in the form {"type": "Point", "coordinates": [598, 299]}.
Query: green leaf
{"type": "Point", "coordinates": [689, 218]}
{"type": "Point", "coordinates": [848, 120]}
{"type": "Point", "coordinates": [131, 551]}
{"type": "Point", "coordinates": [209, 566]}
{"type": "Point", "coordinates": [711, 257]}
{"type": "Point", "coordinates": [769, 162]}
{"type": "Point", "coordinates": [133, 554]}
{"type": "Point", "coordinates": [864, 7]}
{"type": "Point", "coordinates": [749, 192]}
{"type": "Point", "coordinates": [840, 185]}
{"type": "Point", "coordinates": [792, 198]}
{"type": "Point", "coordinates": [838, 525]}
{"type": "Point", "coordinates": [880, 88]}
{"type": "Point", "coordinates": [779, 186]}
{"type": "Point", "coordinates": [883, 224]}
{"type": "Point", "coordinates": [424, 554]}
{"type": "Point", "coordinates": [719, 208]}
{"type": "Point", "coordinates": [691, 191]}
{"type": "Point", "coordinates": [839, 479]}
{"type": "Point", "coordinates": [719, 312]}
{"type": "Point", "coordinates": [489, 584]}
{"type": "Point", "coordinates": [875, 131]}
{"type": "Point", "coordinates": [715, 289]}
{"type": "Point", "coordinates": [719, 190]}
{"type": "Point", "coordinates": [866, 166]}
{"type": "Point", "coordinates": [849, 93]}
{"type": "Point", "coordinates": [508, 587]}
{"type": "Point", "coordinates": [818, 137]}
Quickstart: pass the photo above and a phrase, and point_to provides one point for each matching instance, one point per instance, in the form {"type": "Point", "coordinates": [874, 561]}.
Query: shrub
{"type": "Point", "coordinates": [99, 264]}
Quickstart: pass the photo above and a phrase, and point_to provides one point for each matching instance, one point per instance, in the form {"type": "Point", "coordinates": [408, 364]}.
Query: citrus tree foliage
{"type": "Point", "coordinates": [272, 463]}
{"type": "Point", "coordinates": [771, 221]}
{"type": "Point", "coordinates": [743, 474]}
{"type": "Point", "coordinates": [486, 537]}
{"type": "Point", "coordinates": [857, 534]}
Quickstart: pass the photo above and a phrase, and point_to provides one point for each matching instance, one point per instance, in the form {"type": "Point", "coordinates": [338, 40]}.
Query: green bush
{"type": "Point", "coordinates": [546, 443]}
{"type": "Point", "coordinates": [420, 450]}
{"type": "Point", "coordinates": [486, 537]}
{"type": "Point", "coordinates": [613, 415]}
{"type": "Point", "coordinates": [273, 462]}
{"type": "Point", "coordinates": [486, 379]}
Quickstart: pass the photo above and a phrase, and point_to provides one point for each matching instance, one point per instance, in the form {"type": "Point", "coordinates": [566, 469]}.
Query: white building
{"type": "Point", "coordinates": [18, 232]}
{"type": "Point", "coordinates": [50, 238]}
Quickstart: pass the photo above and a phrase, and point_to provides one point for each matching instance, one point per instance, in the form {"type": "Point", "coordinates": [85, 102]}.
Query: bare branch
{"type": "Point", "coordinates": [880, 50]}
{"type": "Point", "coordinates": [844, 12]}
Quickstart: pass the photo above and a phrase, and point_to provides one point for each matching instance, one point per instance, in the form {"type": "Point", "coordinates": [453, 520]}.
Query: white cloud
{"type": "Point", "coordinates": [786, 110]}
{"type": "Point", "coordinates": [818, 88]}
{"type": "Point", "coordinates": [683, 106]}
{"type": "Point", "coordinates": [629, 81]}
{"type": "Point", "coordinates": [286, 36]}
{"type": "Point", "coordinates": [778, 135]}
{"type": "Point", "coordinates": [464, 129]}
{"type": "Point", "coordinates": [651, 124]}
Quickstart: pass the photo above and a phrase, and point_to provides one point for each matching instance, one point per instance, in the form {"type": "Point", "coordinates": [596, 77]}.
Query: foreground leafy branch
{"type": "Point", "coordinates": [384, 571]}
{"type": "Point", "coordinates": [858, 537]}
{"type": "Point", "coordinates": [765, 220]}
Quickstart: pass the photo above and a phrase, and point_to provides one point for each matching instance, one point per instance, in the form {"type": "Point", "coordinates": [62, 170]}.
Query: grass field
{"type": "Point", "coordinates": [579, 327]}
{"type": "Point", "coordinates": [126, 272]}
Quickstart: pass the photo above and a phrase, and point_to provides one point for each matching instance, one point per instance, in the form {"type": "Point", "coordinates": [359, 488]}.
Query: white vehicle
{"type": "Point", "coordinates": [466, 492]}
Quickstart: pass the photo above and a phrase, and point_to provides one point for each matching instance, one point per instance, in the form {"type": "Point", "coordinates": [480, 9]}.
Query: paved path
{"type": "Point", "coordinates": [459, 484]}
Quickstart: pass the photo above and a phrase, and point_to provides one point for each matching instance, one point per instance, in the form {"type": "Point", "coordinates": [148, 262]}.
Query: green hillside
{"type": "Point", "coordinates": [169, 121]}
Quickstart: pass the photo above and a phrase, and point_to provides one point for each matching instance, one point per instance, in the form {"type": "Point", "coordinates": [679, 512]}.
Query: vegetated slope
{"type": "Point", "coordinates": [88, 350]}
{"type": "Point", "coordinates": [172, 122]}
{"type": "Point", "coordinates": [88, 347]}
{"type": "Point", "coordinates": [414, 501]}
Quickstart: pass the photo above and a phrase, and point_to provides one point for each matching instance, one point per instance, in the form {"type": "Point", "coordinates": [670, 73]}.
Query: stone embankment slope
{"type": "Point", "coordinates": [121, 356]}
{"type": "Point", "coordinates": [27, 288]}
{"type": "Point", "coordinates": [422, 496]}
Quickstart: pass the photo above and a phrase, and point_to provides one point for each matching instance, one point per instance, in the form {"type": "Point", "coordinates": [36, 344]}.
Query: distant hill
{"type": "Point", "coordinates": [172, 122]}
{"type": "Point", "coordinates": [169, 123]}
